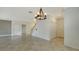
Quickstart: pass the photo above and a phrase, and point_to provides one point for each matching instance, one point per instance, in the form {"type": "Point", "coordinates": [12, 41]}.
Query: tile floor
{"type": "Point", "coordinates": [29, 43]}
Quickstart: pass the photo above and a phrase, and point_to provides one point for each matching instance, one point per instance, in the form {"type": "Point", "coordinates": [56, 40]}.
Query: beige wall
{"type": "Point", "coordinates": [60, 27]}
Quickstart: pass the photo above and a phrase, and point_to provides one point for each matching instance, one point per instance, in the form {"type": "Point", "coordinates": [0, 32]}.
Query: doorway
{"type": "Point", "coordinates": [23, 29]}
{"type": "Point", "coordinates": [60, 27]}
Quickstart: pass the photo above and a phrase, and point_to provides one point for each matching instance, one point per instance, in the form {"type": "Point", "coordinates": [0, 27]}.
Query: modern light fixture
{"type": "Point", "coordinates": [41, 15]}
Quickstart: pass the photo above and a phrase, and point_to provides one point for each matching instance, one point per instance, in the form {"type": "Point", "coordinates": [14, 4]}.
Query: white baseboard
{"type": "Point", "coordinates": [5, 35]}
{"type": "Point", "coordinates": [10, 35]}
{"type": "Point", "coordinates": [15, 35]}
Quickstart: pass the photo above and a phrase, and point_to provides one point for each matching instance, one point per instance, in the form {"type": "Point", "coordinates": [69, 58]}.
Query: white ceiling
{"type": "Point", "coordinates": [22, 13]}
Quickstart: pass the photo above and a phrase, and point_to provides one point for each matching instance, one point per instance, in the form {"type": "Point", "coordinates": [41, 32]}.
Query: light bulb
{"type": "Point", "coordinates": [35, 15]}
{"type": "Point", "coordinates": [38, 13]}
{"type": "Point", "coordinates": [45, 13]}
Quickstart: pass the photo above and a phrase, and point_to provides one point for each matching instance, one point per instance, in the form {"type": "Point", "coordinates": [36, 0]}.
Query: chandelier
{"type": "Point", "coordinates": [41, 15]}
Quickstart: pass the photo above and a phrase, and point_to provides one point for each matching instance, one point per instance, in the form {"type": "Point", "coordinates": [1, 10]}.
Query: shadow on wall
{"type": "Point", "coordinates": [5, 28]}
